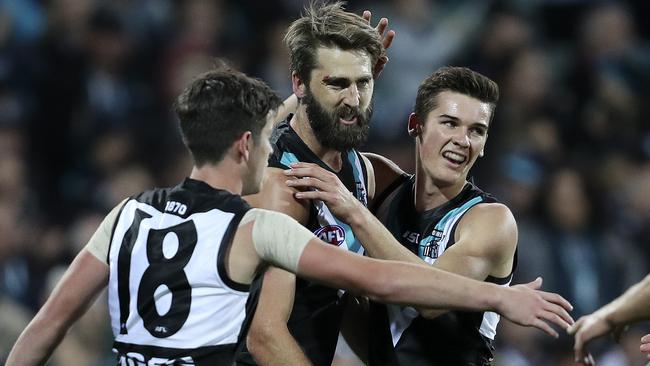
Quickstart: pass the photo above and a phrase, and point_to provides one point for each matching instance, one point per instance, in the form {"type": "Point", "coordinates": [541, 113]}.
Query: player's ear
{"type": "Point", "coordinates": [298, 85]}
{"type": "Point", "coordinates": [244, 144]}
{"type": "Point", "coordinates": [414, 125]}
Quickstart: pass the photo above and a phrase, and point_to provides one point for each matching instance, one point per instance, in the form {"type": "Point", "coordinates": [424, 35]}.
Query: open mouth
{"type": "Point", "coordinates": [350, 120]}
{"type": "Point", "coordinates": [454, 157]}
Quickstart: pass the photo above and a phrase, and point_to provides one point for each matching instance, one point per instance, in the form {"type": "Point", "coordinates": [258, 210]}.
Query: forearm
{"type": "Point", "coordinates": [633, 305]}
{"type": "Point", "coordinates": [83, 281]}
{"type": "Point", "coordinates": [37, 342]}
{"type": "Point", "coordinates": [427, 287]}
{"type": "Point", "coordinates": [396, 282]}
{"type": "Point", "coordinates": [377, 240]}
{"type": "Point", "coordinates": [276, 346]}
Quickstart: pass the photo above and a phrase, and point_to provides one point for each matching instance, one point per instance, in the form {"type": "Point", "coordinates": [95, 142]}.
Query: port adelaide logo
{"type": "Point", "coordinates": [333, 234]}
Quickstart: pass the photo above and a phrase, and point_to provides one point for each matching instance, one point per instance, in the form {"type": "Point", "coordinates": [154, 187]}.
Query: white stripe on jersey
{"type": "Point", "coordinates": [217, 311]}
{"type": "Point", "coordinates": [490, 321]}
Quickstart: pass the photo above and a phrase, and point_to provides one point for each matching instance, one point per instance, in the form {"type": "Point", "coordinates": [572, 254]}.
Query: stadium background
{"type": "Point", "coordinates": [85, 120]}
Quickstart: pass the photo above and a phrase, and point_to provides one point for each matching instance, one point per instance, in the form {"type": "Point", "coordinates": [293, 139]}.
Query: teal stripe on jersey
{"type": "Point", "coordinates": [459, 210]}
{"type": "Point", "coordinates": [358, 177]}
{"type": "Point", "coordinates": [350, 240]}
{"type": "Point", "coordinates": [288, 158]}
{"type": "Point", "coordinates": [440, 226]}
{"type": "Point", "coordinates": [352, 157]}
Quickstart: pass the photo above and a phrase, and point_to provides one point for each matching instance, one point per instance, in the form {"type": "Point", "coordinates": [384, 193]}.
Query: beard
{"type": "Point", "coordinates": [333, 134]}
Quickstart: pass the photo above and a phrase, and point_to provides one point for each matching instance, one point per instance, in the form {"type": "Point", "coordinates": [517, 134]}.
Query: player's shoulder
{"type": "Point", "coordinates": [384, 171]}
{"type": "Point", "coordinates": [493, 221]}
{"type": "Point", "coordinates": [492, 211]}
{"type": "Point", "coordinates": [276, 195]}
{"type": "Point", "coordinates": [382, 164]}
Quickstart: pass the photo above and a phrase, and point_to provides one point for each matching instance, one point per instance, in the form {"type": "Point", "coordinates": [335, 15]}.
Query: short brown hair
{"type": "Point", "coordinates": [455, 79]}
{"type": "Point", "coordinates": [217, 107]}
{"type": "Point", "coordinates": [328, 25]}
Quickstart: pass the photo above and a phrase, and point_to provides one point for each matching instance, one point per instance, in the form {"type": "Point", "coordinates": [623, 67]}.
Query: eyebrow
{"type": "Point", "coordinates": [454, 118]}
{"type": "Point", "coordinates": [343, 80]}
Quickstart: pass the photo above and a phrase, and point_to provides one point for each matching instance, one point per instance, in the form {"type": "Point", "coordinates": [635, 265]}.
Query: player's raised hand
{"type": "Point", "coordinates": [317, 183]}
{"type": "Point", "coordinates": [527, 305]}
{"type": "Point", "coordinates": [386, 41]}
{"type": "Point", "coordinates": [645, 345]}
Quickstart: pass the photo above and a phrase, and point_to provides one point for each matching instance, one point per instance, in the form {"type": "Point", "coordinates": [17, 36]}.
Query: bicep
{"type": "Point", "coordinates": [467, 263]}
{"type": "Point", "coordinates": [486, 239]}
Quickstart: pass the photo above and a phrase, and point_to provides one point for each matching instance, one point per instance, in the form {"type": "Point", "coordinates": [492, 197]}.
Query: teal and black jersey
{"type": "Point", "coordinates": [317, 311]}
{"type": "Point", "coordinates": [399, 335]}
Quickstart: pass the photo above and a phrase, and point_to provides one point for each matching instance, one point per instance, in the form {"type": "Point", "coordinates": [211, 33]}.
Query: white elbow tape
{"type": "Point", "coordinates": [278, 238]}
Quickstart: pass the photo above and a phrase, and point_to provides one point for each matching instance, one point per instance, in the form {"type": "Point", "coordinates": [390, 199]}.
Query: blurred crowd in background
{"type": "Point", "coordinates": [86, 89]}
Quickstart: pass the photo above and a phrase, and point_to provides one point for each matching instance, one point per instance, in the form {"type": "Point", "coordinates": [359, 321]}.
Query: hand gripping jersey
{"type": "Point", "coordinates": [171, 301]}
{"type": "Point", "coordinates": [399, 335]}
{"type": "Point", "coordinates": [317, 310]}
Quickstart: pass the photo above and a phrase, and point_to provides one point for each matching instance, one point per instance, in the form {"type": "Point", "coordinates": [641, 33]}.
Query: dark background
{"type": "Point", "coordinates": [85, 120]}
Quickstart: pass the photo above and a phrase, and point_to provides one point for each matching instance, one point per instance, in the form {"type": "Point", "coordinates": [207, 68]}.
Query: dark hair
{"type": "Point", "coordinates": [217, 107]}
{"type": "Point", "coordinates": [328, 25]}
{"type": "Point", "coordinates": [455, 79]}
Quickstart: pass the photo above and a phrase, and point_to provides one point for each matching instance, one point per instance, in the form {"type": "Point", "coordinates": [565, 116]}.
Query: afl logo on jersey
{"type": "Point", "coordinates": [332, 234]}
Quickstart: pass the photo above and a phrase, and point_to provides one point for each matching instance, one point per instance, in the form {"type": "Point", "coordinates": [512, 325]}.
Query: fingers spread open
{"type": "Point", "coordinates": [388, 40]}
{"type": "Point", "coordinates": [578, 348]}
{"type": "Point", "coordinates": [645, 338]}
{"type": "Point", "coordinates": [534, 284]}
{"type": "Point", "coordinates": [645, 347]}
{"type": "Point", "coordinates": [554, 318]}
{"type": "Point", "coordinates": [540, 324]}
{"type": "Point", "coordinates": [314, 195]}
{"type": "Point", "coordinates": [367, 15]}
{"type": "Point", "coordinates": [560, 312]}
{"type": "Point", "coordinates": [381, 26]}
{"type": "Point", "coordinates": [307, 182]}
{"type": "Point", "coordinates": [576, 326]}
{"type": "Point", "coordinates": [557, 299]}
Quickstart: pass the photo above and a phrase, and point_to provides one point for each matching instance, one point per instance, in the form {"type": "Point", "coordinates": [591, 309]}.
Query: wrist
{"type": "Point", "coordinates": [611, 317]}
{"type": "Point", "coordinates": [495, 297]}
{"type": "Point", "coordinates": [358, 216]}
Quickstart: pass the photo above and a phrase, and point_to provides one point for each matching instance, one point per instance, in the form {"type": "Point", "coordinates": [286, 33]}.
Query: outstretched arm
{"type": "Point", "coordinates": [486, 237]}
{"type": "Point", "coordinates": [284, 242]}
{"type": "Point", "coordinates": [633, 305]}
{"type": "Point", "coordinates": [86, 277]}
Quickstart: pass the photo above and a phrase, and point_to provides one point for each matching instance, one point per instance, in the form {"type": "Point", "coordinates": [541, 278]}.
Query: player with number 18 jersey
{"type": "Point", "coordinates": [170, 298]}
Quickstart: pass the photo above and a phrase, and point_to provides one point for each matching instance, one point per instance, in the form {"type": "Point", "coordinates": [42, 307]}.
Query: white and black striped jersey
{"type": "Point", "coordinates": [399, 335]}
{"type": "Point", "coordinates": [317, 311]}
{"type": "Point", "coordinates": [171, 301]}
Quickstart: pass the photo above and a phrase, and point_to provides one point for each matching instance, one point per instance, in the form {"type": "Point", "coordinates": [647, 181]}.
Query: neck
{"type": "Point", "coordinates": [300, 123]}
{"type": "Point", "coordinates": [219, 176]}
{"type": "Point", "coordinates": [429, 193]}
